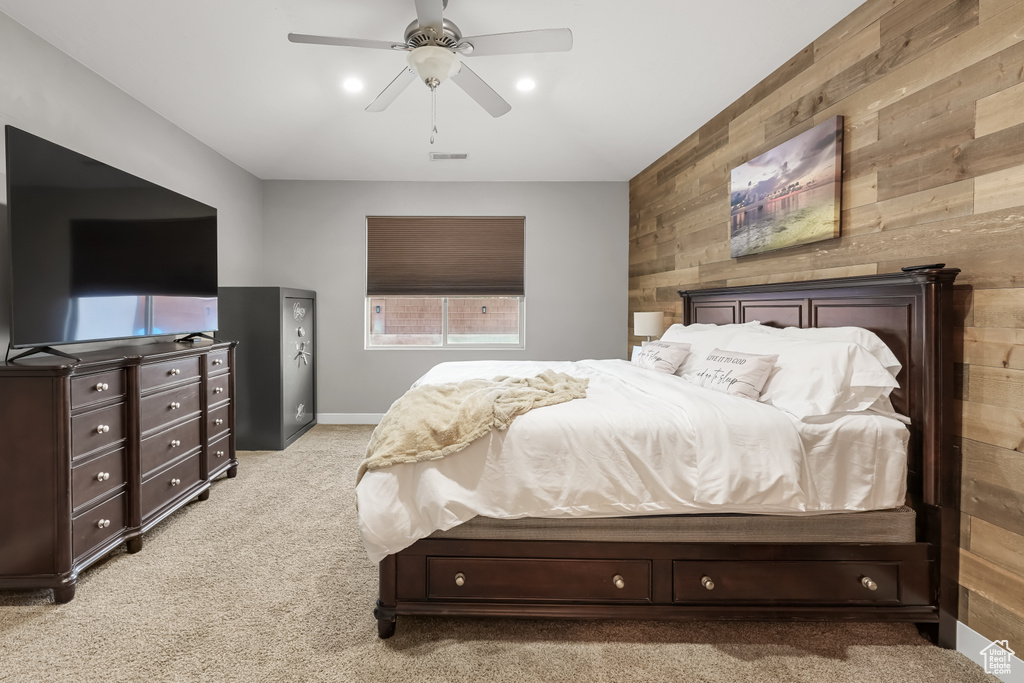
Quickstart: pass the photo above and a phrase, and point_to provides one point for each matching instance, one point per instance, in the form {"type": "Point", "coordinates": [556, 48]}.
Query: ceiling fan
{"type": "Point", "coordinates": [436, 46]}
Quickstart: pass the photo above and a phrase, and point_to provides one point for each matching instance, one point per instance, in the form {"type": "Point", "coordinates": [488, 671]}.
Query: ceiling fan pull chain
{"type": "Point", "coordinates": [433, 114]}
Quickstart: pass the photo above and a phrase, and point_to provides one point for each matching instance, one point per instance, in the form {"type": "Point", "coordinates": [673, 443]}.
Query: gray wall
{"type": "Point", "coordinates": [576, 272]}
{"type": "Point", "coordinates": [45, 92]}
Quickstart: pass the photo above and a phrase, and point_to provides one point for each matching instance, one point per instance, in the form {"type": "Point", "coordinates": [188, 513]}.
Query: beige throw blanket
{"type": "Point", "coordinates": [435, 420]}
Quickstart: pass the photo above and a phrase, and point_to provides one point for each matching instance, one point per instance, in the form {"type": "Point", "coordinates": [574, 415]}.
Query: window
{"type": "Point", "coordinates": [444, 282]}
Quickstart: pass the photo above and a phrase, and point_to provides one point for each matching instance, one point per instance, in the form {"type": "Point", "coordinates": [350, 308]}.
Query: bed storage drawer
{"type": "Point", "coordinates": [785, 582]}
{"type": "Point", "coordinates": [542, 579]}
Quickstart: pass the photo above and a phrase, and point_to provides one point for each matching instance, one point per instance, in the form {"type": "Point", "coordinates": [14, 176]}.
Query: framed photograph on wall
{"type": "Point", "coordinates": [790, 195]}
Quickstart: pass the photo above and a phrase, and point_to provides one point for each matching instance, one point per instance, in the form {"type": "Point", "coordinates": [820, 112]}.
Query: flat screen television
{"type": "Point", "coordinates": [99, 254]}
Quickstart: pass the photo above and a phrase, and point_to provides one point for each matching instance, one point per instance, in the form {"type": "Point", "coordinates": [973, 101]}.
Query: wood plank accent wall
{"type": "Point", "coordinates": [932, 92]}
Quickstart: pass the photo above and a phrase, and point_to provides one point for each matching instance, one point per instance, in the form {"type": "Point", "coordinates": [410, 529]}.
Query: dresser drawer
{"type": "Point", "coordinates": [167, 485]}
{"type": "Point", "coordinates": [89, 389]}
{"type": "Point", "coordinates": [98, 525]}
{"type": "Point", "coordinates": [217, 389]}
{"type": "Point", "coordinates": [92, 479]}
{"type": "Point", "coordinates": [218, 452]}
{"type": "Point", "coordinates": [217, 421]}
{"type": "Point", "coordinates": [168, 406]}
{"type": "Point", "coordinates": [785, 582]}
{"type": "Point", "coordinates": [97, 429]}
{"type": "Point", "coordinates": [168, 372]}
{"type": "Point", "coordinates": [161, 448]}
{"type": "Point", "coordinates": [216, 361]}
{"type": "Point", "coordinates": [501, 579]}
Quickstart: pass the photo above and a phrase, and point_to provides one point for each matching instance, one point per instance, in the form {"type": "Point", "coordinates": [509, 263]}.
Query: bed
{"type": "Point", "coordinates": [893, 564]}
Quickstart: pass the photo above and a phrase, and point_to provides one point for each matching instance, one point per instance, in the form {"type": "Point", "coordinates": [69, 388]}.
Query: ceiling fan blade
{"type": "Point", "coordinates": [428, 13]}
{"type": "Point", "coordinates": [345, 42]}
{"type": "Point", "coordinates": [484, 95]}
{"type": "Point", "coordinates": [394, 89]}
{"type": "Point", "coordinates": [519, 42]}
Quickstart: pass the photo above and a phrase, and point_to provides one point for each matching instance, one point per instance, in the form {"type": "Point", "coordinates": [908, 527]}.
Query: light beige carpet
{"type": "Point", "coordinates": [267, 581]}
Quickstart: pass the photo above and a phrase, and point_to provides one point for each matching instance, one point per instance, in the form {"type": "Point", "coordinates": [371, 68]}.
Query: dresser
{"type": "Point", "coordinates": [275, 365]}
{"type": "Point", "coordinates": [101, 450]}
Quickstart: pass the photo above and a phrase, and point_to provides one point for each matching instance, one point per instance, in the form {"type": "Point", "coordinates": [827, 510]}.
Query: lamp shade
{"type": "Point", "coordinates": [648, 324]}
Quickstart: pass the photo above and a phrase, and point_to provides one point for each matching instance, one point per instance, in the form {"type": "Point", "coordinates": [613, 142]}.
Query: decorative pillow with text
{"type": "Point", "coordinates": [661, 356]}
{"type": "Point", "coordinates": [732, 372]}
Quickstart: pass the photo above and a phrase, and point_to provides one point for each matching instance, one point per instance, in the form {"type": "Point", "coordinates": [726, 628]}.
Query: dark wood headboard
{"type": "Point", "coordinates": [911, 312]}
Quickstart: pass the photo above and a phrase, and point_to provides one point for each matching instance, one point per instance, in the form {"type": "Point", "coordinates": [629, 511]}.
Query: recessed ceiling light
{"type": "Point", "coordinates": [526, 84]}
{"type": "Point", "coordinates": [352, 84]}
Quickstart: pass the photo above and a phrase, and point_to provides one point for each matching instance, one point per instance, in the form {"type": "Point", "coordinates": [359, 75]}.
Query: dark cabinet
{"type": "Point", "coordinates": [100, 450]}
{"type": "Point", "coordinates": [275, 362]}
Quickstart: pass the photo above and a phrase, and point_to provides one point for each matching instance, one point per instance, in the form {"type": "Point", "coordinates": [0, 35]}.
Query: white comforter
{"type": "Point", "coordinates": [640, 443]}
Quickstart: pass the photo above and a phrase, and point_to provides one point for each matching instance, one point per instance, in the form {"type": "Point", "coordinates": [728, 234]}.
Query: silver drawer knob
{"type": "Point", "coordinates": [218, 361]}
{"type": "Point", "coordinates": [102, 429]}
{"type": "Point", "coordinates": [869, 583]}
{"type": "Point", "coordinates": [218, 390]}
{"type": "Point", "coordinates": [103, 476]}
{"type": "Point", "coordinates": [219, 454]}
{"type": "Point", "coordinates": [218, 421]}
{"type": "Point", "coordinates": [460, 579]}
{"type": "Point", "coordinates": [175, 482]}
{"type": "Point", "coordinates": [707, 583]}
{"type": "Point", "coordinates": [103, 524]}
{"type": "Point", "coordinates": [175, 371]}
{"type": "Point", "coordinates": [102, 386]}
{"type": "Point", "coordinates": [618, 581]}
{"type": "Point", "coordinates": [175, 405]}
{"type": "Point", "coordinates": [175, 443]}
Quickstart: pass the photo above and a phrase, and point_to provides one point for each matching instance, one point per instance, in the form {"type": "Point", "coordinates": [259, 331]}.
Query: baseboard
{"type": "Point", "coordinates": [970, 643]}
{"type": "Point", "coordinates": [349, 418]}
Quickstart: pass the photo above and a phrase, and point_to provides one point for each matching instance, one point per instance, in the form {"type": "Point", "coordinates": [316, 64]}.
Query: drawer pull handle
{"type": "Point", "coordinates": [707, 583]}
{"type": "Point", "coordinates": [219, 454]}
{"type": "Point", "coordinates": [218, 390]}
{"type": "Point", "coordinates": [619, 582]}
{"type": "Point", "coordinates": [175, 405]}
{"type": "Point", "coordinates": [869, 583]}
{"type": "Point", "coordinates": [175, 482]}
{"type": "Point", "coordinates": [103, 524]}
{"type": "Point", "coordinates": [218, 422]}
{"type": "Point", "coordinates": [218, 361]}
{"type": "Point", "coordinates": [103, 476]}
{"type": "Point", "coordinates": [102, 429]}
{"type": "Point", "coordinates": [174, 371]}
{"type": "Point", "coordinates": [460, 579]}
{"type": "Point", "coordinates": [175, 443]}
{"type": "Point", "coordinates": [102, 386]}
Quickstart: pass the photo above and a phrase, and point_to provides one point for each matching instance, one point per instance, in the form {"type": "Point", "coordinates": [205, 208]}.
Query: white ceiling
{"type": "Point", "coordinates": [640, 78]}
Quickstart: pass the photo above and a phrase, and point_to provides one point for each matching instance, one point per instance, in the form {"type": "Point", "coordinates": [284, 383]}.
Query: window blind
{"type": "Point", "coordinates": [444, 256]}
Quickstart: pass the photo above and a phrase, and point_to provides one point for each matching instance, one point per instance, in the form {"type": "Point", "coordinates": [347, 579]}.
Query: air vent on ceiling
{"type": "Point", "coordinates": [447, 156]}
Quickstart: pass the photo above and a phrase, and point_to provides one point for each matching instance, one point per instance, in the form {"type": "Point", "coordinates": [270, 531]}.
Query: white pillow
{"type": "Point", "coordinates": [866, 338]}
{"type": "Point", "coordinates": [818, 377]}
{"type": "Point", "coordinates": [662, 356]}
{"type": "Point", "coordinates": [703, 338]}
{"type": "Point", "coordinates": [739, 374]}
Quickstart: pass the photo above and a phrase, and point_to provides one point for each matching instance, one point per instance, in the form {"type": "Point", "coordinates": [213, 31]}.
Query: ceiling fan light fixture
{"type": "Point", "coordinates": [433, 64]}
{"type": "Point", "coordinates": [526, 84]}
{"type": "Point", "coordinates": [352, 85]}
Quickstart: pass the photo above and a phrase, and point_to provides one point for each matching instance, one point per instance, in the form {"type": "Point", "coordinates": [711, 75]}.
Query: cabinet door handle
{"type": "Point", "coordinates": [102, 429]}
